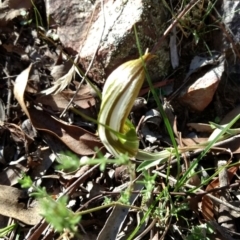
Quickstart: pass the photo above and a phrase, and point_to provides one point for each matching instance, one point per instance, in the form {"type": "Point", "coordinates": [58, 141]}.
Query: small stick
{"type": "Point", "coordinates": [5, 70]}
{"type": "Point", "coordinates": [213, 198]}
{"type": "Point", "coordinates": [169, 29]}
{"type": "Point", "coordinates": [91, 63]}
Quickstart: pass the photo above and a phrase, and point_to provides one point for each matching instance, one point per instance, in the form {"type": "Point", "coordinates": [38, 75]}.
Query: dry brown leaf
{"type": "Point", "coordinates": [188, 142]}
{"type": "Point", "coordinates": [59, 101]}
{"type": "Point", "coordinates": [61, 69]}
{"type": "Point", "coordinates": [14, 49]}
{"type": "Point", "coordinates": [2, 112]}
{"type": "Point", "coordinates": [119, 214]}
{"type": "Point", "coordinates": [11, 206]}
{"type": "Point", "coordinates": [19, 88]}
{"type": "Point", "coordinates": [47, 158]}
{"type": "Point", "coordinates": [13, 136]}
{"type": "Point", "coordinates": [77, 139]}
{"type": "Point", "coordinates": [84, 98]}
{"type": "Point", "coordinates": [19, 4]}
{"type": "Point", "coordinates": [163, 83]}
{"type": "Point", "coordinates": [201, 127]}
{"type": "Point", "coordinates": [231, 115]}
{"type": "Point", "coordinates": [60, 84]}
{"type": "Point", "coordinates": [207, 204]}
{"type": "Point", "coordinates": [17, 134]}
{"type": "Point", "coordinates": [233, 144]}
{"type": "Point", "coordinates": [12, 8]}
{"type": "Point", "coordinates": [11, 174]}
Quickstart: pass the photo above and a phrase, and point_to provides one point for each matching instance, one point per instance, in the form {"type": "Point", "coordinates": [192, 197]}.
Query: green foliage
{"type": "Point", "coordinates": [149, 184]}
{"type": "Point", "coordinates": [217, 119]}
{"type": "Point", "coordinates": [58, 215]}
{"type": "Point", "coordinates": [68, 161]}
{"type": "Point", "coordinates": [25, 181]}
{"type": "Point", "coordinates": [6, 230]}
{"type": "Point", "coordinates": [160, 107]}
{"type": "Point", "coordinates": [55, 213]}
{"type": "Point", "coordinates": [122, 159]}
{"type": "Point", "coordinates": [154, 159]}
{"type": "Point", "coordinates": [107, 201]}
{"type": "Point", "coordinates": [124, 197]}
{"type": "Point", "coordinates": [175, 211]}
{"type": "Point", "coordinates": [38, 17]}
{"type": "Point", "coordinates": [200, 232]}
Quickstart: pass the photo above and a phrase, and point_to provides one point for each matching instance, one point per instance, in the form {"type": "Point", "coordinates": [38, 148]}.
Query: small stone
{"type": "Point", "coordinates": [198, 95]}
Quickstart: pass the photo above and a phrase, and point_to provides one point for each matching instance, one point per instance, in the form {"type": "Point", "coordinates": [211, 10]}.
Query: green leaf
{"type": "Point", "coordinates": [155, 158]}
{"type": "Point", "coordinates": [25, 182]}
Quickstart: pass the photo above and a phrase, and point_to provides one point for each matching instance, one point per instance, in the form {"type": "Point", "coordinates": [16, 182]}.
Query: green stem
{"type": "Point", "coordinates": [164, 116]}
{"type": "Point", "coordinates": [112, 204]}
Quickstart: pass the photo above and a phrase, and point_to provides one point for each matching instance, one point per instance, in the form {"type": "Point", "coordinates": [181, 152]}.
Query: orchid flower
{"type": "Point", "coordinates": [120, 90]}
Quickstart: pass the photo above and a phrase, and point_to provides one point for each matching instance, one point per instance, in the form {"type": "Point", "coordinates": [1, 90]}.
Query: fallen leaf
{"type": "Point", "coordinates": [199, 62]}
{"type": "Point", "coordinates": [231, 115]}
{"type": "Point", "coordinates": [233, 144]}
{"type": "Point", "coordinates": [119, 215]}
{"type": "Point", "coordinates": [10, 175]}
{"type": "Point", "coordinates": [61, 67]}
{"type": "Point", "coordinates": [19, 88]}
{"type": "Point", "coordinates": [12, 8]}
{"type": "Point", "coordinates": [11, 206]}
{"type": "Point", "coordinates": [207, 203]}
{"type": "Point", "coordinates": [59, 101]}
{"type": "Point", "coordinates": [14, 49]}
{"type": "Point", "coordinates": [152, 118]}
{"type": "Point", "coordinates": [163, 83]}
{"type": "Point", "coordinates": [77, 139]}
{"type": "Point", "coordinates": [173, 48]}
{"type": "Point", "coordinates": [189, 142]}
{"type": "Point", "coordinates": [201, 127]}
{"type": "Point", "coordinates": [60, 84]}
{"type": "Point", "coordinates": [2, 111]}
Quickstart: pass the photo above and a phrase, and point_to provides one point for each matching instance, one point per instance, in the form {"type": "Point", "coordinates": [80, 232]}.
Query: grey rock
{"type": "Point", "coordinates": [87, 28]}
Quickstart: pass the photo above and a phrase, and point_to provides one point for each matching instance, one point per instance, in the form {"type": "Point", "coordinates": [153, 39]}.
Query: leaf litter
{"type": "Point", "coordinates": [34, 139]}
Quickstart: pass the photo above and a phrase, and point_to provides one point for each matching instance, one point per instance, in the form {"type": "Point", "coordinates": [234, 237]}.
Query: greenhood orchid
{"type": "Point", "coordinates": [115, 130]}
{"type": "Point", "coordinates": [120, 90]}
